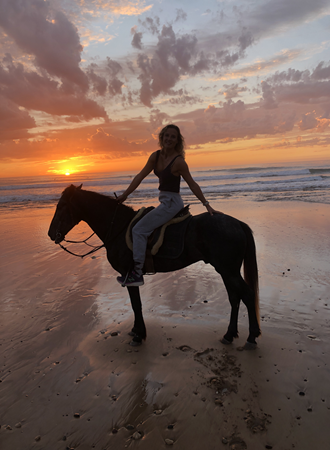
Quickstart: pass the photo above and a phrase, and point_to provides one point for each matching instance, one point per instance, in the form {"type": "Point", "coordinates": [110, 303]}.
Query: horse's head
{"type": "Point", "coordinates": [66, 215]}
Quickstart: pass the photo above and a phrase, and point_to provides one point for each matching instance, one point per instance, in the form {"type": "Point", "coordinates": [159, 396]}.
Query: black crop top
{"type": "Point", "coordinates": [167, 181]}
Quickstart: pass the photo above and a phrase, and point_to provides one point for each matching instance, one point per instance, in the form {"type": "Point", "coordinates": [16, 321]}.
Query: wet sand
{"type": "Point", "coordinates": [69, 379]}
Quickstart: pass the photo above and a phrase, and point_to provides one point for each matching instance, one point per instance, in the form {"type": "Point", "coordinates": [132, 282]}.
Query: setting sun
{"type": "Point", "coordinates": [67, 173]}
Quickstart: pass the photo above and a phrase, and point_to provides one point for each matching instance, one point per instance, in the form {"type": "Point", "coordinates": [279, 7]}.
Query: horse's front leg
{"type": "Point", "coordinates": [139, 331]}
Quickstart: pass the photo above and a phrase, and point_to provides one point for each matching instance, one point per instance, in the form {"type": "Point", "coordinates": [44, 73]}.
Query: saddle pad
{"type": "Point", "coordinates": [156, 240]}
{"type": "Point", "coordinates": [173, 240]}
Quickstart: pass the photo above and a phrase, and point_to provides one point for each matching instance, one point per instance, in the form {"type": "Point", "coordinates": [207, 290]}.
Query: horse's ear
{"type": "Point", "coordinates": [79, 187]}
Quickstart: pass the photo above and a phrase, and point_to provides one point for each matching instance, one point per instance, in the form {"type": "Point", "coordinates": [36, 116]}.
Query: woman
{"type": "Point", "coordinates": [169, 165]}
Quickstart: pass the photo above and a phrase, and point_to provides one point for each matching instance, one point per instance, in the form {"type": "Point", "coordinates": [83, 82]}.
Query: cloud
{"type": "Point", "coordinates": [308, 121]}
{"type": "Point", "coordinates": [262, 67]}
{"type": "Point", "coordinates": [172, 57]}
{"type": "Point", "coordinates": [107, 9]}
{"type": "Point", "coordinates": [104, 142]}
{"type": "Point", "coordinates": [99, 83]}
{"type": "Point", "coordinates": [291, 75]}
{"type": "Point", "coordinates": [14, 122]}
{"type": "Point", "coordinates": [47, 35]}
{"type": "Point", "coordinates": [267, 17]}
{"type": "Point", "coordinates": [268, 95]}
{"type": "Point", "coordinates": [121, 7]}
{"type": "Point", "coordinates": [300, 86]}
{"type": "Point", "coordinates": [45, 73]}
{"type": "Point", "coordinates": [180, 15]}
{"type": "Point", "coordinates": [233, 90]}
{"type": "Point", "coordinates": [137, 38]}
{"type": "Point", "coordinates": [115, 84]}
{"type": "Point", "coordinates": [151, 24]}
{"type": "Point", "coordinates": [249, 23]}
{"type": "Point", "coordinates": [234, 121]}
{"type": "Point", "coordinates": [112, 140]}
{"type": "Point", "coordinates": [157, 119]}
{"type": "Point", "coordinates": [41, 93]}
{"type": "Point", "coordinates": [182, 97]}
{"type": "Point", "coordinates": [52, 81]}
{"type": "Point", "coordinates": [321, 72]}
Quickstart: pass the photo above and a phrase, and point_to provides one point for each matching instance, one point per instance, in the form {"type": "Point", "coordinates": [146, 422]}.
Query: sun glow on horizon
{"type": "Point", "coordinates": [66, 172]}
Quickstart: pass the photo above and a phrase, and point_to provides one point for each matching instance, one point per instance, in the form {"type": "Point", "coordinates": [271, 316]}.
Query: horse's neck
{"type": "Point", "coordinates": [103, 214]}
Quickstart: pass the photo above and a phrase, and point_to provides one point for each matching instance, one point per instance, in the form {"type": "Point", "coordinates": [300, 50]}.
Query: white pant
{"type": "Point", "coordinates": [170, 204]}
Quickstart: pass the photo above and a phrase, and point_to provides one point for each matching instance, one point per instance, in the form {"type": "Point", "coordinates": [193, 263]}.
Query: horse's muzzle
{"type": "Point", "coordinates": [58, 237]}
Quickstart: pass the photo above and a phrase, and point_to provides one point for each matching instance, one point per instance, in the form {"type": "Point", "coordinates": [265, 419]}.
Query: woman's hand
{"type": "Point", "coordinates": [212, 211]}
{"type": "Point", "coordinates": [121, 198]}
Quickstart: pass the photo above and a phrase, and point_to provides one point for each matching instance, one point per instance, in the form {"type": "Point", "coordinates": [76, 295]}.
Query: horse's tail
{"type": "Point", "coordinates": [250, 267]}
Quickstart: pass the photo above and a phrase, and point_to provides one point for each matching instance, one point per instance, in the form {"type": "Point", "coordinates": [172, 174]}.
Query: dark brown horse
{"type": "Point", "coordinates": [220, 240]}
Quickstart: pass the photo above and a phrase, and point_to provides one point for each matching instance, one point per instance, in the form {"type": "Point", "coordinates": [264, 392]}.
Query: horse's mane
{"type": "Point", "coordinates": [70, 190]}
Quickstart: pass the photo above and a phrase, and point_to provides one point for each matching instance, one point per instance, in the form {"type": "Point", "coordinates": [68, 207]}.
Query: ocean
{"type": "Point", "coordinates": [307, 182]}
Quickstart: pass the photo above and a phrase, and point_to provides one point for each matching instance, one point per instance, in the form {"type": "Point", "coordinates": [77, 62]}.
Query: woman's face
{"type": "Point", "coordinates": [170, 139]}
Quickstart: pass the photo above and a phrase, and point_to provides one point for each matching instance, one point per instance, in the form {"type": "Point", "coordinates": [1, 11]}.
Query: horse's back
{"type": "Point", "coordinates": [217, 237]}
{"type": "Point", "coordinates": [219, 225]}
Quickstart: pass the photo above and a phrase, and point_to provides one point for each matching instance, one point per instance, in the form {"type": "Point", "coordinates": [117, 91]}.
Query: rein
{"type": "Point", "coordinates": [95, 248]}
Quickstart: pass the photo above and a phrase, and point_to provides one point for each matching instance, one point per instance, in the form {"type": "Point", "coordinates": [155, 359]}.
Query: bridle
{"type": "Point", "coordinates": [95, 248]}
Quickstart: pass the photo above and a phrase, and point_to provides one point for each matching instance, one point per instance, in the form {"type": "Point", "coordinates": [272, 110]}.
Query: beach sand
{"type": "Point", "coordinates": [70, 379]}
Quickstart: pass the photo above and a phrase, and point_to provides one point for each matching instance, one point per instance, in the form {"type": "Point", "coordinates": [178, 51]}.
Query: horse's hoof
{"type": "Point", "coordinates": [135, 343]}
{"type": "Point", "coordinates": [248, 346]}
{"type": "Point", "coordinates": [225, 341]}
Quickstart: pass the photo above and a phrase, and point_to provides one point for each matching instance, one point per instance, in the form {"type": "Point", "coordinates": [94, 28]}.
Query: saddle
{"type": "Point", "coordinates": [166, 241]}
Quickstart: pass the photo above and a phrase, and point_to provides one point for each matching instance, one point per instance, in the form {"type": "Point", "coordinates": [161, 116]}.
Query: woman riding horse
{"type": "Point", "coordinates": [169, 166]}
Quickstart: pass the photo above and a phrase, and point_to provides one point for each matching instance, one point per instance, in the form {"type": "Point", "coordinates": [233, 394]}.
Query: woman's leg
{"type": "Point", "coordinates": [171, 204]}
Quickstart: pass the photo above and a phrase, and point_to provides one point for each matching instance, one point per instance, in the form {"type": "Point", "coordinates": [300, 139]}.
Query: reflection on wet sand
{"type": "Point", "coordinates": [69, 379]}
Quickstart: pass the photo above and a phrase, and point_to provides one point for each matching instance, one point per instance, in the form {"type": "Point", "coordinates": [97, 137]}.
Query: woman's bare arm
{"type": "Point", "coordinates": [138, 178]}
{"type": "Point", "coordinates": [181, 167]}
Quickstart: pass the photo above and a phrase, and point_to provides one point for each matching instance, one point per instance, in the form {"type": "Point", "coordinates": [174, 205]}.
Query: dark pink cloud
{"type": "Point", "coordinates": [47, 35]}
{"type": "Point", "coordinates": [41, 93]}
{"type": "Point", "coordinates": [181, 15]}
{"type": "Point", "coordinates": [14, 122]}
{"type": "Point", "coordinates": [55, 84]}
{"type": "Point", "coordinates": [268, 94]}
{"type": "Point", "coordinates": [307, 122]}
{"type": "Point", "coordinates": [321, 72]}
{"type": "Point", "coordinates": [233, 90]}
{"type": "Point", "coordinates": [99, 84]}
{"type": "Point", "coordinates": [176, 55]}
{"type": "Point", "coordinates": [113, 69]}
{"type": "Point", "coordinates": [137, 38]}
{"type": "Point", "coordinates": [151, 24]}
{"type": "Point", "coordinates": [172, 57]}
{"type": "Point", "coordinates": [265, 18]}
{"type": "Point", "coordinates": [235, 120]}
{"type": "Point", "coordinates": [298, 87]}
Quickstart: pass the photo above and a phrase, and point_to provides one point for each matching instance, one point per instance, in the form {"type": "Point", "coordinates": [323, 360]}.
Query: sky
{"type": "Point", "coordinates": [86, 85]}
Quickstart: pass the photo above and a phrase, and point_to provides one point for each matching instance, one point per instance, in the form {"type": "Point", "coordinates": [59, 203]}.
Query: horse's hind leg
{"type": "Point", "coordinates": [248, 299]}
{"type": "Point", "coordinates": [238, 290]}
{"type": "Point", "coordinates": [139, 329]}
{"type": "Point", "coordinates": [234, 300]}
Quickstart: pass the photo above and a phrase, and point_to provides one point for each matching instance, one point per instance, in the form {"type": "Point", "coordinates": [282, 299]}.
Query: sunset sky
{"type": "Point", "coordinates": [86, 85]}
